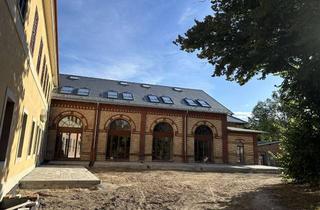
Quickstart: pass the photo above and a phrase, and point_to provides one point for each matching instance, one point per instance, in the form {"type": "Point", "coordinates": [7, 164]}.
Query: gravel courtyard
{"type": "Point", "coordinates": [181, 190]}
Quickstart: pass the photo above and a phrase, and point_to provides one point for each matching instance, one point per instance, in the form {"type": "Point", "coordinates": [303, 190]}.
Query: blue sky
{"type": "Point", "coordinates": [132, 40]}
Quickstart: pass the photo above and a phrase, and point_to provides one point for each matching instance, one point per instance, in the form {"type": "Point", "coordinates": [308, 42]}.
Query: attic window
{"type": "Point", "coordinates": [190, 102]}
{"type": "Point", "coordinates": [127, 96]}
{"type": "Point", "coordinates": [153, 99]}
{"type": "Point", "coordinates": [145, 86]}
{"type": "Point", "coordinates": [73, 78]}
{"type": "Point", "coordinates": [83, 92]}
{"type": "Point", "coordinates": [123, 83]}
{"type": "Point", "coordinates": [203, 103]}
{"type": "Point", "coordinates": [112, 94]}
{"type": "Point", "coordinates": [66, 89]}
{"type": "Point", "coordinates": [167, 100]}
{"type": "Point", "coordinates": [177, 89]}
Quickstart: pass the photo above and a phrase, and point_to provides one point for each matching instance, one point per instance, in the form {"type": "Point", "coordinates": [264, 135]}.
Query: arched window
{"type": "Point", "coordinates": [69, 133]}
{"type": "Point", "coordinates": [240, 152]}
{"type": "Point", "coordinates": [118, 142]}
{"type": "Point", "coordinates": [162, 142]}
{"type": "Point", "coordinates": [70, 122]}
{"type": "Point", "coordinates": [203, 141]}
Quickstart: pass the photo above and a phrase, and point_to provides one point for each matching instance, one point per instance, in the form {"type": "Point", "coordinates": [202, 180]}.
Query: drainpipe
{"type": "Point", "coordinates": [95, 136]}
{"type": "Point", "coordinates": [186, 136]}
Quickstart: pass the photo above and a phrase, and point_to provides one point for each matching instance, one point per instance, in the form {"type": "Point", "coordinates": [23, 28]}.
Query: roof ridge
{"type": "Point", "coordinates": [138, 83]}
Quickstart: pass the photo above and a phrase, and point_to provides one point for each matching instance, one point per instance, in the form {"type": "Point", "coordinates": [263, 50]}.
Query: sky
{"type": "Point", "coordinates": [131, 40]}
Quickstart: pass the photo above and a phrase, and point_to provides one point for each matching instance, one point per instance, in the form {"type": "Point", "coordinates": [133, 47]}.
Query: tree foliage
{"type": "Point", "coordinates": [245, 38]}
{"type": "Point", "coordinates": [267, 116]}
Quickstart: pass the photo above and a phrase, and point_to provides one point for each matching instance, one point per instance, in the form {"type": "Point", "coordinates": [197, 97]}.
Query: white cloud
{"type": "Point", "coordinates": [242, 115]}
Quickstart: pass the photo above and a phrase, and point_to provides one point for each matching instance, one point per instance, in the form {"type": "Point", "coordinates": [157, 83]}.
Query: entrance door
{"type": "Point", "coordinates": [118, 142]}
{"type": "Point", "coordinates": [69, 136]}
{"type": "Point", "coordinates": [203, 144]}
{"type": "Point", "coordinates": [68, 145]}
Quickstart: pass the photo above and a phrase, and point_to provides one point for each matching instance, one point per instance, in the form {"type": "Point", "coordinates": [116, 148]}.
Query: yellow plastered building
{"type": "Point", "coordinates": [29, 71]}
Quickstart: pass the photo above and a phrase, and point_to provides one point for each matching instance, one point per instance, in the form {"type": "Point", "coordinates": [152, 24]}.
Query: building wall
{"type": "Point", "coordinates": [249, 143]}
{"type": "Point", "coordinates": [142, 122]}
{"type": "Point", "coordinates": [267, 153]}
{"type": "Point", "coordinates": [21, 83]}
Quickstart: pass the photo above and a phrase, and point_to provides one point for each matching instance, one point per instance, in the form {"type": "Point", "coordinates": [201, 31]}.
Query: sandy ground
{"type": "Point", "coordinates": [181, 190]}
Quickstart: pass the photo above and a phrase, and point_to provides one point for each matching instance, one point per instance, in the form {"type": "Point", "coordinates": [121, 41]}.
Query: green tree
{"type": "Point", "coordinates": [267, 116]}
{"type": "Point", "coordinates": [245, 38]}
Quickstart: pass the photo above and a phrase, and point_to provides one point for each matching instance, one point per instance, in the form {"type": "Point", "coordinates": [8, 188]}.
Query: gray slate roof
{"type": "Point", "coordinates": [233, 119]}
{"type": "Point", "coordinates": [98, 87]}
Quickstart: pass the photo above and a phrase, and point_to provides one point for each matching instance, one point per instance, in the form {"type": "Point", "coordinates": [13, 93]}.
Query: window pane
{"type": "Point", "coordinates": [190, 102]}
{"type": "Point", "coordinates": [127, 96]}
{"type": "Point", "coordinates": [203, 103]}
{"type": "Point", "coordinates": [167, 100]}
{"type": "Point", "coordinates": [66, 89]}
{"type": "Point", "coordinates": [153, 99]}
{"type": "Point", "coordinates": [112, 94]}
{"type": "Point", "coordinates": [83, 91]}
{"type": "Point", "coordinates": [23, 130]}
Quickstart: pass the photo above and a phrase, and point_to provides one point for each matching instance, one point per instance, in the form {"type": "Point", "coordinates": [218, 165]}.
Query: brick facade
{"type": "Point", "coordinates": [142, 122]}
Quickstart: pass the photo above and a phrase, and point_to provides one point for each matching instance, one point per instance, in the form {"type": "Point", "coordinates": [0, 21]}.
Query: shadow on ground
{"type": "Point", "coordinates": [280, 196]}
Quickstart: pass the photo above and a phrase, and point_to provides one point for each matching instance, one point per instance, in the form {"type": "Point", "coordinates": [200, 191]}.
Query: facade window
{"type": "Point", "coordinates": [34, 31]}
{"type": "Point", "coordinates": [69, 138]}
{"type": "Point", "coordinates": [31, 138]}
{"type": "Point", "coordinates": [44, 66]}
{"type": "Point", "coordinates": [118, 142]}
{"type": "Point", "coordinates": [37, 140]}
{"type": "Point", "coordinates": [6, 128]}
{"type": "Point", "coordinates": [39, 56]}
{"type": "Point", "coordinates": [23, 7]}
{"type": "Point", "coordinates": [162, 142]}
{"type": "Point", "coordinates": [22, 135]}
{"type": "Point", "coordinates": [240, 152]}
{"type": "Point", "coordinates": [46, 84]}
{"type": "Point", "coordinates": [203, 141]}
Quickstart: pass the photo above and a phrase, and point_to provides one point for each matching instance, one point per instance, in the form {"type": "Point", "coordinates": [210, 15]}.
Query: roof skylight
{"type": "Point", "coordinates": [167, 100]}
{"type": "Point", "coordinates": [153, 99]}
{"type": "Point", "coordinates": [203, 103]}
{"type": "Point", "coordinates": [145, 86]}
{"type": "Point", "coordinates": [112, 94]}
{"type": "Point", "coordinates": [127, 96]}
{"type": "Point", "coordinates": [123, 83]}
{"type": "Point", "coordinates": [177, 89]}
{"type": "Point", "coordinates": [190, 102]}
{"type": "Point", "coordinates": [83, 92]}
{"type": "Point", "coordinates": [73, 77]}
{"type": "Point", "coordinates": [66, 89]}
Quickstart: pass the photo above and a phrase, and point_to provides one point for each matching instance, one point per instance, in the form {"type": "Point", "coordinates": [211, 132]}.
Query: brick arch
{"type": "Point", "coordinates": [60, 116]}
{"type": "Point", "coordinates": [206, 123]}
{"type": "Point", "coordinates": [120, 117]}
{"type": "Point", "coordinates": [167, 120]}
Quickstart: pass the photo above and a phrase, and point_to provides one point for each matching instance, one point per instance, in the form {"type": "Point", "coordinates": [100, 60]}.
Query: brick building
{"type": "Point", "coordinates": [107, 120]}
{"type": "Point", "coordinates": [268, 152]}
